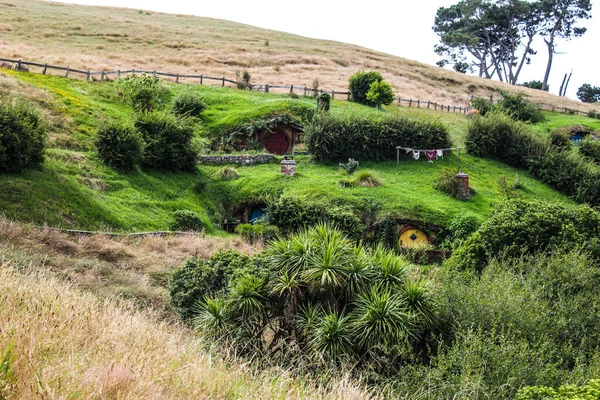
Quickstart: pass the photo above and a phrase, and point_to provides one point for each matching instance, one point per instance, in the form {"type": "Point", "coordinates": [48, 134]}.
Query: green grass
{"type": "Point", "coordinates": [556, 120]}
{"type": "Point", "coordinates": [74, 189]}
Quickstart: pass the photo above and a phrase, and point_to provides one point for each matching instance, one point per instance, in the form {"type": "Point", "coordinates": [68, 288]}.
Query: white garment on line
{"type": "Point", "coordinates": [416, 154]}
{"type": "Point", "coordinates": [440, 154]}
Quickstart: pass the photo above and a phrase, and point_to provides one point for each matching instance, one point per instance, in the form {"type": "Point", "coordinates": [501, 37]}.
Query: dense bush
{"type": "Point", "coordinates": [460, 228]}
{"type": "Point", "coordinates": [168, 142]}
{"type": "Point", "coordinates": [590, 148]}
{"type": "Point", "coordinates": [187, 220]}
{"type": "Point", "coordinates": [251, 233]}
{"type": "Point", "coordinates": [328, 301]}
{"type": "Point", "coordinates": [590, 391]}
{"type": "Point", "coordinates": [380, 93]}
{"type": "Point", "coordinates": [527, 227]}
{"type": "Point", "coordinates": [188, 104]}
{"type": "Point", "coordinates": [293, 213]}
{"type": "Point", "coordinates": [560, 140]}
{"type": "Point", "coordinates": [359, 85]}
{"type": "Point", "coordinates": [497, 136]}
{"type": "Point", "coordinates": [447, 183]}
{"type": "Point", "coordinates": [119, 145]}
{"type": "Point", "coordinates": [143, 92]}
{"type": "Point", "coordinates": [198, 278]}
{"type": "Point", "coordinates": [336, 138]}
{"type": "Point", "coordinates": [482, 105]}
{"type": "Point", "coordinates": [520, 109]}
{"type": "Point", "coordinates": [22, 136]}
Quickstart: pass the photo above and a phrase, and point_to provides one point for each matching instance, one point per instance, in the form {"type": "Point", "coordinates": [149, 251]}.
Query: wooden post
{"type": "Point", "coordinates": [397, 157]}
{"type": "Point", "coordinates": [118, 73]}
{"type": "Point", "coordinates": [45, 68]}
{"type": "Point", "coordinates": [418, 103]}
{"type": "Point", "coordinates": [19, 65]}
{"type": "Point", "coordinates": [102, 76]}
{"type": "Point", "coordinates": [333, 94]}
{"type": "Point", "coordinates": [348, 96]}
{"type": "Point", "coordinates": [88, 76]}
{"type": "Point", "coordinates": [291, 89]}
{"type": "Point", "coordinates": [409, 103]}
{"type": "Point", "coordinates": [267, 88]}
{"type": "Point", "coordinates": [448, 108]}
{"type": "Point", "coordinates": [305, 91]}
{"type": "Point", "coordinates": [67, 73]}
{"type": "Point", "coordinates": [565, 110]}
{"type": "Point", "coordinates": [428, 104]}
{"type": "Point", "coordinates": [154, 73]}
{"type": "Point", "coordinates": [454, 109]}
{"type": "Point", "coordinates": [223, 82]}
{"type": "Point", "coordinates": [177, 79]}
{"type": "Point", "coordinates": [201, 79]}
{"type": "Point", "coordinates": [435, 106]}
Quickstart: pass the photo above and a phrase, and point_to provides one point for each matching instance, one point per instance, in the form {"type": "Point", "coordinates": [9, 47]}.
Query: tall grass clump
{"type": "Point", "coordinates": [143, 92]}
{"type": "Point", "coordinates": [119, 145]}
{"type": "Point", "coordinates": [332, 138]}
{"type": "Point", "coordinates": [23, 136]}
{"type": "Point", "coordinates": [590, 148]}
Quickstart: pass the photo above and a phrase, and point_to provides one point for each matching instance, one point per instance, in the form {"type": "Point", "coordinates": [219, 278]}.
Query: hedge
{"type": "Point", "coordinates": [335, 138]}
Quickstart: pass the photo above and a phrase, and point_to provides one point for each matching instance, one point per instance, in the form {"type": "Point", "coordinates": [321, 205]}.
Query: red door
{"type": "Point", "coordinates": [277, 143]}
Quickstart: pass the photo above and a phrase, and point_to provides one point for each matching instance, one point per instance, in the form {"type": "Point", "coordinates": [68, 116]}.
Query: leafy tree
{"type": "Point", "coordinates": [495, 36]}
{"type": "Point", "coordinates": [360, 83]}
{"type": "Point", "coordinates": [534, 84]}
{"type": "Point", "coordinates": [559, 18]}
{"type": "Point", "coordinates": [588, 93]}
{"type": "Point", "coordinates": [380, 93]}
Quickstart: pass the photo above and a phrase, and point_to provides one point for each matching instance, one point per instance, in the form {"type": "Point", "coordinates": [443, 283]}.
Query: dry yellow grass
{"type": "Point", "coordinates": [132, 268]}
{"type": "Point", "coordinates": [98, 38]}
{"type": "Point", "coordinates": [65, 343]}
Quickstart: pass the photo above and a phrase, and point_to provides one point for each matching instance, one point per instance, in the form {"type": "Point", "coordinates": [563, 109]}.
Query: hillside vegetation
{"type": "Point", "coordinates": [96, 38]}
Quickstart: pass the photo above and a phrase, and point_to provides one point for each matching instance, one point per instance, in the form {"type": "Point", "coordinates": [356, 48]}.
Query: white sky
{"type": "Point", "coordinates": [399, 27]}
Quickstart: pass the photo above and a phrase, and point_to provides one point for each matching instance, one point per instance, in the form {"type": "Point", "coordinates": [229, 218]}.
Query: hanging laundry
{"type": "Point", "coordinates": [430, 154]}
{"type": "Point", "coordinates": [416, 154]}
{"type": "Point", "coordinates": [439, 153]}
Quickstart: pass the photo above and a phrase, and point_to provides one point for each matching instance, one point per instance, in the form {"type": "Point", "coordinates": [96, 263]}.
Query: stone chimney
{"type": "Point", "coordinates": [463, 186]}
{"type": "Point", "coordinates": [288, 166]}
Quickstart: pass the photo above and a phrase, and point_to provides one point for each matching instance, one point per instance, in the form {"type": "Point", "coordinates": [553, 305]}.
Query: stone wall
{"type": "Point", "coordinates": [236, 159]}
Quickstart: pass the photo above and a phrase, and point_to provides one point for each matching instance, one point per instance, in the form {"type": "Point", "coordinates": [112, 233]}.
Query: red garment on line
{"type": "Point", "coordinates": [430, 154]}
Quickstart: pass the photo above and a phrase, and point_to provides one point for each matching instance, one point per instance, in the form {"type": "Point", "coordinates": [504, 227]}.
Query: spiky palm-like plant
{"type": "Point", "coordinates": [290, 287]}
{"type": "Point", "coordinates": [332, 339]}
{"type": "Point", "coordinates": [306, 320]}
{"type": "Point", "coordinates": [381, 319]}
{"type": "Point", "coordinates": [212, 316]}
{"type": "Point", "coordinates": [248, 298]}
{"type": "Point", "coordinates": [292, 254]}
{"type": "Point", "coordinates": [390, 269]}
{"type": "Point", "coordinates": [360, 272]}
{"type": "Point", "coordinates": [418, 298]}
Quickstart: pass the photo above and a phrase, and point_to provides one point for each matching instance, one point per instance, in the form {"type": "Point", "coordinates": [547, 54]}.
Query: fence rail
{"type": "Point", "coordinates": [266, 88]}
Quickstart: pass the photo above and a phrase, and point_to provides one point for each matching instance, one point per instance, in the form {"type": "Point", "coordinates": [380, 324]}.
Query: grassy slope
{"type": "Point", "coordinates": [109, 38]}
{"type": "Point", "coordinates": [73, 189]}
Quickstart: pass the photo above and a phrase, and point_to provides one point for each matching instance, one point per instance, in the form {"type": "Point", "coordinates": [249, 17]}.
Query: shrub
{"type": "Point", "coordinates": [188, 104]}
{"type": "Point", "coordinates": [460, 228]}
{"type": "Point", "coordinates": [592, 114]}
{"type": "Point", "coordinates": [534, 84]}
{"type": "Point", "coordinates": [323, 102]}
{"type": "Point", "coordinates": [242, 76]}
{"type": "Point", "coordinates": [168, 142]}
{"type": "Point", "coordinates": [380, 93]}
{"type": "Point", "coordinates": [482, 105]}
{"type": "Point", "coordinates": [119, 145]}
{"type": "Point", "coordinates": [228, 173]}
{"type": "Point", "coordinates": [143, 92]}
{"type": "Point", "coordinates": [560, 140]}
{"type": "Point", "coordinates": [250, 233]}
{"type": "Point", "coordinates": [332, 138]}
{"type": "Point", "coordinates": [520, 109]}
{"type": "Point", "coordinates": [293, 213]}
{"type": "Point", "coordinates": [360, 83]}
{"type": "Point", "coordinates": [22, 136]}
{"type": "Point", "coordinates": [447, 183]}
{"type": "Point", "coordinates": [350, 166]}
{"type": "Point", "coordinates": [527, 227]}
{"type": "Point", "coordinates": [590, 148]}
{"type": "Point", "coordinates": [186, 220]}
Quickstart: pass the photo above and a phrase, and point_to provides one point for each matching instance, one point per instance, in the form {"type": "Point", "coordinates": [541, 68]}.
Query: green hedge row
{"type": "Point", "coordinates": [498, 136]}
{"type": "Point", "coordinates": [333, 138]}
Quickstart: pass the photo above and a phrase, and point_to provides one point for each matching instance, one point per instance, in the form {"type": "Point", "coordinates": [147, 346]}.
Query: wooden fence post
{"type": "Point", "coordinates": [118, 73]}
{"type": "Point", "coordinates": [333, 94]}
{"type": "Point", "coordinates": [409, 103]}
{"type": "Point", "coordinates": [291, 89]}
{"type": "Point", "coordinates": [201, 78]}
{"type": "Point", "coordinates": [348, 96]}
{"type": "Point", "coordinates": [67, 73]}
{"type": "Point", "coordinates": [267, 88]}
{"type": "Point", "coordinates": [418, 103]}
{"type": "Point", "coordinates": [428, 104]}
{"type": "Point", "coordinates": [88, 76]}
{"type": "Point", "coordinates": [304, 91]}
{"type": "Point", "coordinates": [223, 82]}
{"type": "Point", "coordinates": [19, 65]}
{"type": "Point", "coordinates": [177, 78]}
{"type": "Point", "coordinates": [102, 76]}
{"type": "Point", "coordinates": [435, 106]}
{"type": "Point", "coordinates": [45, 68]}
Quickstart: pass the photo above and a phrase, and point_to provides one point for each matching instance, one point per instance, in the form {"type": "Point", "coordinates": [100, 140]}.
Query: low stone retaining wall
{"type": "Point", "coordinates": [232, 159]}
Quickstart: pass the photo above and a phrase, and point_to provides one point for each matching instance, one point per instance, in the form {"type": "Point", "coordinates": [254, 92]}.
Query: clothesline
{"type": "Point", "coordinates": [422, 150]}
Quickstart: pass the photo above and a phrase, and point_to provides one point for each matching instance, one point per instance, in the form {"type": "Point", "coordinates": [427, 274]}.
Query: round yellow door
{"type": "Point", "coordinates": [413, 238]}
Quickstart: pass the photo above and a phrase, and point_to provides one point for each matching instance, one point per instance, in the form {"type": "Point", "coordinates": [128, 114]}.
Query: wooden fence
{"type": "Point", "coordinates": [266, 88]}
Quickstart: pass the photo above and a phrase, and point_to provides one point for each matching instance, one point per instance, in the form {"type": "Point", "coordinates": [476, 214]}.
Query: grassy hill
{"type": "Point", "coordinates": [74, 189]}
{"type": "Point", "coordinates": [108, 38]}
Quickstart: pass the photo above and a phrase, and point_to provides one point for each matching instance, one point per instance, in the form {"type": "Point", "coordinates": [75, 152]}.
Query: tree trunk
{"type": "Point", "coordinates": [550, 44]}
